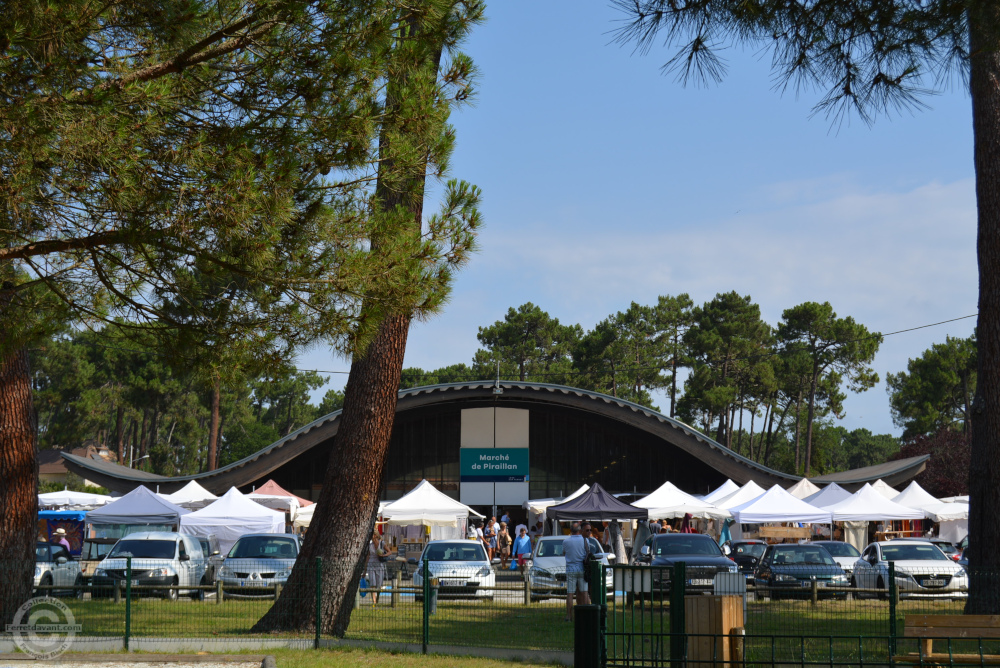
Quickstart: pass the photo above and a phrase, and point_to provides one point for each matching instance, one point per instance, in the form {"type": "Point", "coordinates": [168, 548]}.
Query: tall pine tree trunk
{"type": "Point", "coordinates": [18, 472]}
{"type": "Point", "coordinates": [342, 525]}
{"type": "Point", "coordinates": [120, 432]}
{"type": "Point", "coordinates": [984, 478]}
{"type": "Point", "coordinates": [213, 427]}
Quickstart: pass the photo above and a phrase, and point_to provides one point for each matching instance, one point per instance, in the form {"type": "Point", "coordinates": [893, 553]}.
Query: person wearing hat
{"type": "Point", "coordinates": [60, 536]}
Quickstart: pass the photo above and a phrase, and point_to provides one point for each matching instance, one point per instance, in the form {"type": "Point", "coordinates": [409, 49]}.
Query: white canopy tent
{"type": "Point", "coordinates": [882, 488]}
{"type": "Point", "coordinates": [915, 496]}
{"type": "Point", "coordinates": [285, 504]}
{"type": "Point", "coordinates": [802, 489]}
{"type": "Point", "coordinates": [777, 505]}
{"type": "Point", "coordinates": [668, 502]}
{"type": "Point", "coordinates": [538, 506]}
{"type": "Point", "coordinates": [867, 505]}
{"type": "Point", "coordinates": [191, 496]}
{"type": "Point", "coordinates": [303, 518]}
{"type": "Point", "coordinates": [425, 505]}
{"type": "Point", "coordinates": [744, 494]}
{"type": "Point", "coordinates": [829, 495]}
{"type": "Point", "coordinates": [721, 492]}
{"type": "Point", "coordinates": [956, 499]}
{"type": "Point", "coordinates": [68, 500]}
{"type": "Point", "coordinates": [230, 517]}
{"type": "Point", "coordinates": [952, 519]}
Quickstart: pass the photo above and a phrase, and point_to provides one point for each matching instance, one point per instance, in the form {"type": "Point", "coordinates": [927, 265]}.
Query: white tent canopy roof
{"type": "Point", "coordinates": [70, 499]}
{"type": "Point", "coordinates": [777, 505]}
{"type": "Point", "coordinates": [140, 506]}
{"type": "Point", "coordinates": [191, 495]}
{"type": "Point", "coordinates": [744, 494]}
{"type": "Point", "coordinates": [303, 518]}
{"type": "Point", "coordinates": [956, 499]}
{"type": "Point", "coordinates": [802, 489]}
{"type": "Point", "coordinates": [538, 506]}
{"type": "Point", "coordinates": [944, 512]}
{"type": "Point", "coordinates": [425, 504]}
{"type": "Point", "coordinates": [915, 496]}
{"type": "Point", "coordinates": [668, 502]}
{"type": "Point", "coordinates": [230, 517]}
{"type": "Point", "coordinates": [721, 492]}
{"type": "Point", "coordinates": [882, 488]}
{"type": "Point", "coordinates": [829, 495]}
{"type": "Point", "coordinates": [867, 505]}
{"type": "Point", "coordinates": [276, 502]}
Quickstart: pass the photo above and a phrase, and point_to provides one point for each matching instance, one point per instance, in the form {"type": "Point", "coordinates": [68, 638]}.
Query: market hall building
{"type": "Point", "coordinates": [491, 443]}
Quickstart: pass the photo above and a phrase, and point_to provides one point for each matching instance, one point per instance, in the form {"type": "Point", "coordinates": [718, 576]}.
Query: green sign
{"type": "Point", "coordinates": [494, 464]}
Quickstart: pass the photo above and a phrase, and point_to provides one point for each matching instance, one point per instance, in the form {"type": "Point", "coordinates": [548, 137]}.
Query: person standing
{"type": "Point", "coordinates": [377, 552]}
{"type": "Point", "coordinates": [522, 548]}
{"type": "Point", "coordinates": [505, 519]}
{"type": "Point", "coordinates": [60, 538]}
{"type": "Point", "coordinates": [575, 551]}
{"type": "Point", "coordinates": [504, 542]}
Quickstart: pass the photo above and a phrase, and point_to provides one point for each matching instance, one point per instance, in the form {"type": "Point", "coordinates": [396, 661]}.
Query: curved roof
{"type": "Point", "coordinates": [259, 464]}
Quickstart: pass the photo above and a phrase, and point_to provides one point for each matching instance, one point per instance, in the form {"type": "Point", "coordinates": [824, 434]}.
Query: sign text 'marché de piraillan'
{"type": "Point", "coordinates": [494, 464]}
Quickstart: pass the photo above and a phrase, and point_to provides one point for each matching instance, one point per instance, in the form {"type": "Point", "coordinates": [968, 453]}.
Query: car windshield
{"type": "Point", "coordinates": [94, 551]}
{"type": "Point", "coordinates": [690, 544]}
{"type": "Point", "coordinates": [455, 552]}
{"type": "Point", "coordinates": [947, 548]}
{"type": "Point", "coordinates": [144, 549]}
{"type": "Point", "coordinates": [802, 555]}
{"type": "Point", "coordinates": [748, 550]}
{"type": "Point", "coordinates": [918, 552]}
{"type": "Point", "coordinates": [550, 548]}
{"type": "Point", "coordinates": [842, 550]}
{"type": "Point", "coordinates": [264, 547]}
{"type": "Point", "coordinates": [41, 552]}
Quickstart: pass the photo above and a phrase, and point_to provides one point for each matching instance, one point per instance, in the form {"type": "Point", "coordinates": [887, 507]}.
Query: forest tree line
{"type": "Point", "coordinates": [769, 392]}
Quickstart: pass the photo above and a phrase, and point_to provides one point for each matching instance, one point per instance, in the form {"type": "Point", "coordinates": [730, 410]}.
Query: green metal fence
{"type": "Point", "coordinates": [643, 620]}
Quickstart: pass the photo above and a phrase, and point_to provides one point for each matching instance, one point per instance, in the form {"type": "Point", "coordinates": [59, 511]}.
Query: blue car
{"type": "Point", "coordinates": [789, 570]}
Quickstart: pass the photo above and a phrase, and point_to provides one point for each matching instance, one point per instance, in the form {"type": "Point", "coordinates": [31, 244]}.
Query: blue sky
{"type": "Point", "coordinates": [604, 182]}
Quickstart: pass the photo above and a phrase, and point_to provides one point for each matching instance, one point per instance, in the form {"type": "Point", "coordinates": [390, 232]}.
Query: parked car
{"type": "Point", "coordinates": [257, 562]}
{"type": "Point", "coordinates": [701, 554]}
{"type": "Point", "coordinates": [788, 570]}
{"type": "Point", "coordinates": [460, 566]}
{"type": "Point", "coordinates": [945, 546]}
{"type": "Point", "coordinates": [213, 556]}
{"type": "Point", "coordinates": [173, 561]}
{"type": "Point", "coordinates": [547, 573]}
{"type": "Point", "coordinates": [922, 570]}
{"type": "Point", "coordinates": [92, 553]}
{"type": "Point", "coordinates": [843, 553]}
{"type": "Point", "coordinates": [747, 554]}
{"type": "Point", "coordinates": [54, 567]}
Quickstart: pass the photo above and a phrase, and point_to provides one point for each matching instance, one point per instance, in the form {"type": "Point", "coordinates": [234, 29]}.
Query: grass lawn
{"type": "Point", "coordinates": [350, 658]}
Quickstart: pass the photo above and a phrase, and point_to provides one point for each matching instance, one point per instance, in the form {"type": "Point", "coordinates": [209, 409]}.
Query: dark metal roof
{"type": "Point", "coordinates": [893, 473]}
{"type": "Point", "coordinates": [243, 472]}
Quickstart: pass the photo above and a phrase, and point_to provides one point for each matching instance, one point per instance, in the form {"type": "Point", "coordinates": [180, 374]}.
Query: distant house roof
{"type": "Point", "coordinates": [51, 462]}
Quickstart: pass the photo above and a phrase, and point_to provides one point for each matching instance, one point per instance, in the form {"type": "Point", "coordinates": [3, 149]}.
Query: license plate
{"type": "Point", "coordinates": [243, 583]}
{"type": "Point", "coordinates": [933, 583]}
{"type": "Point", "coordinates": [135, 583]}
{"type": "Point", "coordinates": [700, 583]}
{"type": "Point", "coordinates": [806, 584]}
{"type": "Point", "coordinates": [452, 583]}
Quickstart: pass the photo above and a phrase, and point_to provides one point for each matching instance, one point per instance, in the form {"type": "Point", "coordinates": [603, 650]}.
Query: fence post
{"type": "Point", "coordinates": [218, 592]}
{"type": "Point", "coordinates": [426, 586]}
{"type": "Point", "coordinates": [597, 576]}
{"type": "Point", "coordinates": [397, 584]}
{"type": "Point", "coordinates": [678, 585]}
{"type": "Point", "coordinates": [319, 601]}
{"type": "Point", "coordinates": [527, 588]}
{"type": "Point", "coordinates": [128, 601]}
{"type": "Point", "coordinates": [815, 592]}
{"type": "Point", "coordinates": [893, 597]}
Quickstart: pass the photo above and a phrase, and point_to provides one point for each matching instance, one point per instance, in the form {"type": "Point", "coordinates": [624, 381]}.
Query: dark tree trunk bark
{"type": "Point", "coordinates": [798, 421]}
{"type": "Point", "coordinates": [809, 421]}
{"type": "Point", "coordinates": [984, 478]}
{"type": "Point", "coordinates": [345, 512]}
{"type": "Point", "coordinates": [19, 473]}
{"type": "Point", "coordinates": [120, 434]}
{"type": "Point", "coordinates": [213, 428]}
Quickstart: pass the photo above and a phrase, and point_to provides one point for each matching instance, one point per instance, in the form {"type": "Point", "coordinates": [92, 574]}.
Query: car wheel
{"type": "Point", "coordinates": [79, 586]}
{"type": "Point", "coordinates": [171, 594]}
{"type": "Point", "coordinates": [46, 581]}
{"type": "Point", "coordinates": [199, 594]}
{"type": "Point", "coordinates": [883, 596]}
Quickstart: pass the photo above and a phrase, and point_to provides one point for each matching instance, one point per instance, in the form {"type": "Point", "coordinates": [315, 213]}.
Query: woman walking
{"type": "Point", "coordinates": [376, 569]}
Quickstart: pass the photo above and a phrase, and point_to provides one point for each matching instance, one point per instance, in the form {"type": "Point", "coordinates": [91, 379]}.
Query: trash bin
{"type": "Point", "coordinates": [587, 636]}
{"type": "Point", "coordinates": [433, 606]}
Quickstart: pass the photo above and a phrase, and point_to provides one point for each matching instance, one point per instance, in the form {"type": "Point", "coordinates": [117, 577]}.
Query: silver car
{"type": "Point", "coordinates": [460, 566]}
{"type": "Point", "coordinates": [257, 562]}
{"type": "Point", "coordinates": [548, 566]}
{"type": "Point", "coordinates": [54, 567]}
{"type": "Point", "coordinates": [922, 570]}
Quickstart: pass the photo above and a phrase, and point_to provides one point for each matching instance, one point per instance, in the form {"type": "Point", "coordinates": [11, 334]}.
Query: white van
{"type": "Point", "coordinates": [159, 559]}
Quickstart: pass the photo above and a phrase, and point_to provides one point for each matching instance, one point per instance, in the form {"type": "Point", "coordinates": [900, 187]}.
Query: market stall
{"type": "Point", "coordinates": [139, 510]}
{"type": "Point", "coordinates": [777, 507]}
{"type": "Point", "coordinates": [668, 502]}
{"type": "Point", "coordinates": [868, 505]}
{"type": "Point", "coordinates": [232, 516]}
{"type": "Point", "coordinates": [425, 513]}
{"type": "Point", "coordinates": [70, 521]}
